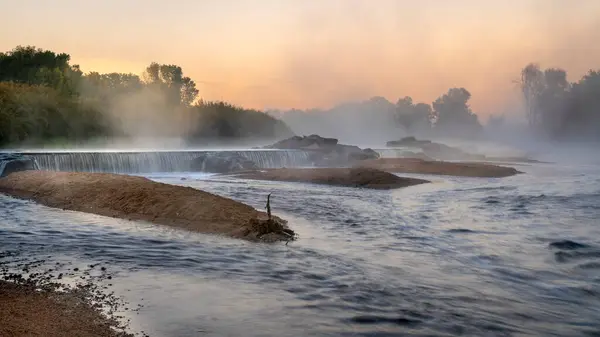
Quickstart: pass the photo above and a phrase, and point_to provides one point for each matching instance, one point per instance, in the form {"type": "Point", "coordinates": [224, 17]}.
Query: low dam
{"type": "Point", "coordinates": [154, 161]}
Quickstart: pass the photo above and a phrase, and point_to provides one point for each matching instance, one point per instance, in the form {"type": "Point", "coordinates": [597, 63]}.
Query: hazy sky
{"type": "Point", "coordinates": [307, 53]}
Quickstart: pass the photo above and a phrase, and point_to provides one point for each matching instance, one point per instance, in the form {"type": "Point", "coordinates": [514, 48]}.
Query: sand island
{"type": "Point", "coordinates": [138, 198]}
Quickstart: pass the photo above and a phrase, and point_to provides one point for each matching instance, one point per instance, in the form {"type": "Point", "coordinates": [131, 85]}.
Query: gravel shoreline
{"type": "Point", "coordinates": [34, 302]}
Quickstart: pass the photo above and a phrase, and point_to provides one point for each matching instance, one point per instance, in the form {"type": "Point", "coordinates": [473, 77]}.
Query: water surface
{"type": "Point", "coordinates": [517, 256]}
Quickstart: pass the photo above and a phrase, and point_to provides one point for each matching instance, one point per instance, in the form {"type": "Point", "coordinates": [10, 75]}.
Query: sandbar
{"type": "Point", "coordinates": [420, 166]}
{"type": "Point", "coordinates": [349, 177]}
{"type": "Point", "coordinates": [139, 198]}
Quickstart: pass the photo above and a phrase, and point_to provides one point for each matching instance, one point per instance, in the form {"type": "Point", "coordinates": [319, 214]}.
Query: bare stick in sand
{"type": "Point", "coordinates": [268, 207]}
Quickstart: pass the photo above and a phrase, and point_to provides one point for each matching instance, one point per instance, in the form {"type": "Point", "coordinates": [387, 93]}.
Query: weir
{"type": "Point", "coordinates": [156, 161]}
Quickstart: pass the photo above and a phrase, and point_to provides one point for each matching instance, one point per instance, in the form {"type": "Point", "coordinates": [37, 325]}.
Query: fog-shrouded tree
{"type": "Point", "coordinates": [168, 77]}
{"type": "Point", "coordinates": [557, 109]}
{"type": "Point", "coordinates": [44, 99]}
{"type": "Point", "coordinates": [532, 87]}
{"type": "Point", "coordinates": [413, 117]}
{"type": "Point", "coordinates": [454, 115]}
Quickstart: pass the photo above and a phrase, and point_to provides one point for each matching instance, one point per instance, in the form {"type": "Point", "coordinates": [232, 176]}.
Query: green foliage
{"type": "Point", "coordinates": [29, 65]}
{"type": "Point", "coordinates": [44, 99]}
{"type": "Point", "coordinates": [169, 78]}
{"type": "Point", "coordinates": [220, 119]}
{"type": "Point", "coordinates": [34, 113]}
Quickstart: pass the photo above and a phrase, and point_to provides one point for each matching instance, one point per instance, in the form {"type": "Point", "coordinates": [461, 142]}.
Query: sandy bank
{"type": "Point", "coordinates": [412, 165]}
{"type": "Point", "coordinates": [351, 177]}
{"type": "Point", "coordinates": [27, 312]}
{"type": "Point", "coordinates": [138, 198]}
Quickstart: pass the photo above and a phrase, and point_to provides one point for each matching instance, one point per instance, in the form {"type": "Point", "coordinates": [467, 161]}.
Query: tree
{"type": "Point", "coordinates": [532, 86]}
{"type": "Point", "coordinates": [412, 117]}
{"type": "Point", "coordinates": [453, 112]}
{"type": "Point", "coordinates": [169, 79]}
{"type": "Point", "coordinates": [34, 66]}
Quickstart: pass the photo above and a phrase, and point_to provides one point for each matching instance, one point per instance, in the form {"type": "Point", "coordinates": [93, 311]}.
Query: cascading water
{"type": "Point", "coordinates": [157, 161]}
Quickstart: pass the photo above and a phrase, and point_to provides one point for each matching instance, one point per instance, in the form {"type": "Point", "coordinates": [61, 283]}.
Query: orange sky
{"type": "Point", "coordinates": [308, 53]}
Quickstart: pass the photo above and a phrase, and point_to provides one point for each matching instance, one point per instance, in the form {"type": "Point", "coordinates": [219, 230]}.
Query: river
{"type": "Point", "coordinates": [517, 256]}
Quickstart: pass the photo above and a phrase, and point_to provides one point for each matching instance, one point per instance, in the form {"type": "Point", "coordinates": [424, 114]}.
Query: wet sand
{"type": "Point", "coordinates": [349, 177]}
{"type": "Point", "coordinates": [25, 311]}
{"type": "Point", "coordinates": [138, 198]}
{"type": "Point", "coordinates": [420, 166]}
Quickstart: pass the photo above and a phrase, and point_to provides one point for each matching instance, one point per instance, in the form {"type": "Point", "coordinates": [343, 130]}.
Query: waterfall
{"type": "Point", "coordinates": [157, 161]}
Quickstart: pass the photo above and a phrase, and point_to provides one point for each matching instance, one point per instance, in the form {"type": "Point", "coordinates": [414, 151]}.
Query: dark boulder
{"type": "Point", "coordinates": [365, 154]}
{"type": "Point", "coordinates": [408, 141]}
{"type": "Point", "coordinates": [326, 152]}
{"type": "Point", "coordinates": [10, 163]}
{"type": "Point", "coordinates": [310, 142]}
{"type": "Point", "coordinates": [222, 162]}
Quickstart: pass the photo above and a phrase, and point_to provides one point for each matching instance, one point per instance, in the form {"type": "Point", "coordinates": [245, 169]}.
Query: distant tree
{"type": "Point", "coordinates": [453, 112]}
{"type": "Point", "coordinates": [34, 66]}
{"type": "Point", "coordinates": [532, 87]}
{"type": "Point", "coordinates": [412, 116]}
{"type": "Point", "coordinates": [168, 77]}
{"type": "Point", "coordinates": [583, 108]}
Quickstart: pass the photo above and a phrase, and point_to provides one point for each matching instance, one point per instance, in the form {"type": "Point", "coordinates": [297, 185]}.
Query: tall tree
{"type": "Point", "coordinates": [30, 65]}
{"type": "Point", "coordinates": [169, 78]}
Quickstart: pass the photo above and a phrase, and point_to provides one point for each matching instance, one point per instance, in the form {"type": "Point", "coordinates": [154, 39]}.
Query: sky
{"type": "Point", "coordinates": [317, 53]}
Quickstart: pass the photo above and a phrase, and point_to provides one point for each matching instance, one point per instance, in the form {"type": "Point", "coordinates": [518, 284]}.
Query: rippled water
{"type": "Point", "coordinates": [459, 256]}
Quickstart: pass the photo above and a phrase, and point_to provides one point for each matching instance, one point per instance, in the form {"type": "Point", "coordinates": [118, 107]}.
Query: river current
{"type": "Point", "coordinates": [516, 256]}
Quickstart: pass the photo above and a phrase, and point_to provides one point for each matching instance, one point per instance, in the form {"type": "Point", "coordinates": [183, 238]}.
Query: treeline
{"type": "Point", "coordinates": [558, 109]}
{"type": "Point", "coordinates": [43, 98]}
{"type": "Point", "coordinates": [378, 119]}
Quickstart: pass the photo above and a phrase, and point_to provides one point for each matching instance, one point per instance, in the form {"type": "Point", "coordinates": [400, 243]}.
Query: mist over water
{"type": "Point", "coordinates": [514, 256]}
{"type": "Point", "coordinates": [459, 256]}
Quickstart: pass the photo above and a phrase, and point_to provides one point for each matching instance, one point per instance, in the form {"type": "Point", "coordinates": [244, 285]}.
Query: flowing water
{"type": "Point", "coordinates": [517, 256]}
{"type": "Point", "coordinates": [156, 161]}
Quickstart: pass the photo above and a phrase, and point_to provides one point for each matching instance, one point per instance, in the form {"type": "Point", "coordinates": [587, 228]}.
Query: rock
{"type": "Point", "coordinates": [310, 142]}
{"type": "Point", "coordinates": [222, 162]}
{"type": "Point", "coordinates": [365, 154]}
{"type": "Point", "coordinates": [15, 162]}
{"type": "Point", "coordinates": [407, 141]}
{"type": "Point", "coordinates": [445, 152]}
{"type": "Point", "coordinates": [326, 152]}
{"type": "Point", "coordinates": [434, 150]}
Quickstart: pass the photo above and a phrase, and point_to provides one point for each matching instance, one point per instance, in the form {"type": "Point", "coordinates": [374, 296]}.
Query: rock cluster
{"type": "Point", "coordinates": [222, 162]}
{"type": "Point", "coordinates": [326, 152]}
{"type": "Point", "coordinates": [14, 162]}
{"type": "Point", "coordinates": [434, 150]}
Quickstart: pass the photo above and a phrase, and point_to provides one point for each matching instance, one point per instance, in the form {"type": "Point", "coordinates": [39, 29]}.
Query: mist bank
{"type": "Point", "coordinates": [551, 109]}
{"type": "Point", "coordinates": [47, 102]}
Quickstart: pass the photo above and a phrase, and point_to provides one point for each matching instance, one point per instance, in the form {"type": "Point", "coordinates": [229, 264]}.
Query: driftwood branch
{"type": "Point", "coordinates": [268, 207]}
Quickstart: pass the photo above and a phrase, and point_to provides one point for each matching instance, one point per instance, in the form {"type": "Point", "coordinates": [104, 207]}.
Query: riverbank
{"type": "Point", "coordinates": [349, 177]}
{"type": "Point", "coordinates": [420, 166]}
{"type": "Point", "coordinates": [26, 310]}
{"type": "Point", "coordinates": [138, 198]}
